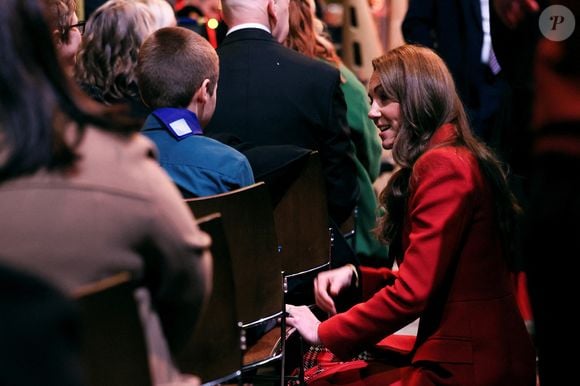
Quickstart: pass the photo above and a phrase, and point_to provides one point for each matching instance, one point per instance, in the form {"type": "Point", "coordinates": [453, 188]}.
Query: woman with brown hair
{"type": "Point", "coordinates": [449, 223]}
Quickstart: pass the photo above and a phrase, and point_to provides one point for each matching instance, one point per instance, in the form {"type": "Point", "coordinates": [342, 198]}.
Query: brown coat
{"type": "Point", "coordinates": [115, 211]}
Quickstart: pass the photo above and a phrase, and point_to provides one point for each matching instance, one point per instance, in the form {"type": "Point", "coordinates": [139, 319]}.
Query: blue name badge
{"type": "Point", "coordinates": [181, 123]}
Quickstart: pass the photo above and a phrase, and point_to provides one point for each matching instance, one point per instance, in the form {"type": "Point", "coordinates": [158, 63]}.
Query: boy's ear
{"type": "Point", "coordinates": [203, 93]}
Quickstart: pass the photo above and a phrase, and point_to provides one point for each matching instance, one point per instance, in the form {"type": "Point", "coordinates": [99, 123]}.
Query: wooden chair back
{"type": "Point", "coordinates": [214, 351]}
{"type": "Point", "coordinates": [250, 233]}
{"type": "Point", "coordinates": [249, 228]}
{"type": "Point", "coordinates": [301, 218]}
{"type": "Point", "coordinates": [302, 227]}
{"type": "Point", "coordinates": [114, 350]}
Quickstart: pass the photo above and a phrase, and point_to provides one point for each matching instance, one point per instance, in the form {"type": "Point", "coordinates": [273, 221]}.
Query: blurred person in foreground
{"type": "Point", "coordinates": [40, 332]}
{"type": "Point", "coordinates": [82, 196]}
{"type": "Point", "coordinates": [551, 225]}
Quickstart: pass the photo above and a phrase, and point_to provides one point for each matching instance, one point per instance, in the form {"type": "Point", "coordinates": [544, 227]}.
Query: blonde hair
{"type": "Point", "coordinates": [162, 12]}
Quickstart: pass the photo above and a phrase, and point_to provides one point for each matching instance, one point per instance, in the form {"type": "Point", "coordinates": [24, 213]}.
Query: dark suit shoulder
{"type": "Point", "coordinates": [319, 67]}
{"type": "Point", "coordinates": [258, 48]}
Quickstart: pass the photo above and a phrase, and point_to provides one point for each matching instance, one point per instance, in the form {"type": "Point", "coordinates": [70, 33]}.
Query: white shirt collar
{"type": "Point", "coordinates": [248, 25]}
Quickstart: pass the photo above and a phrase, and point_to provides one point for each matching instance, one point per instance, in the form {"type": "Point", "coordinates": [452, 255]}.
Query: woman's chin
{"type": "Point", "coordinates": [387, 145]}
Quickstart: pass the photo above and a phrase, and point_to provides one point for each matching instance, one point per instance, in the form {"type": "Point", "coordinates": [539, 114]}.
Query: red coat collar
{"type": "Point", "coordinates": [444, 133]}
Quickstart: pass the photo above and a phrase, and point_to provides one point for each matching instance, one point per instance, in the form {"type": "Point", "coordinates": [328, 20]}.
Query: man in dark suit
{"type": "Point", "coordinates": [271, 95]}
{"type": "Point", "coordinates": [460, 33]}
{"type": "Point", "coordinates": [515, 46]}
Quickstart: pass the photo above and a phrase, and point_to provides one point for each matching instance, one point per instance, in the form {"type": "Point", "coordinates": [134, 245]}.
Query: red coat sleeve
{"type": "Point", "coordinates": [373, 279]}
{"type": "Point", "coordinates": [439, 210]}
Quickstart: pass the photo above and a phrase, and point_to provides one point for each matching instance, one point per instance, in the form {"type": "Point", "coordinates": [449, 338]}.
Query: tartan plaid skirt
{"type": "Point", "coordinates": [323, 368]}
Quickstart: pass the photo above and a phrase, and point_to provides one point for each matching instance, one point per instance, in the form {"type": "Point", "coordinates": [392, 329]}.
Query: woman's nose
{"type": "Point", "coordinates": [374, 112]}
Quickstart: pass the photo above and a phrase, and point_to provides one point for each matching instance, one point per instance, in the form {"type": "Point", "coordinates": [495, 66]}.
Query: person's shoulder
{"type": "Point", "coordinates": [127, 164]}
{"type": "Point", "coordinates": [447, 163]}
{"type": "Point", "coordinates": [151, 123]}
{"type": "Point", "coordinates": [448, 155]}
{"type": "Point", "coordinates": [125, 147]}
{"type": "Point", "coordinates": [221, 150]}
{"type": "Point", "coordinates": [352, 82]}
{"type": "Point", "coordinates": [270, 49]}
{"type": "Point", "coordinates": [317, 66]}
{"type": "Point", "coordinates": [245, 41]}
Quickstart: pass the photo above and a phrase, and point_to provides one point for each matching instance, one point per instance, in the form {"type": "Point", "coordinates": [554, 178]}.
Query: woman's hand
{"type": "Point", "coordinates": [329, 283]}
{"type": "Point", "coordinates": [304, 321]}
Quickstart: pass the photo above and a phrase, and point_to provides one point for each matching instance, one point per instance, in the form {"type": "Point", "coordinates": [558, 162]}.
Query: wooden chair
{"type": "Point", "coordinates": [348, 229]}
{"type": "Point", "coordinates": [304, 238]}
{"type": "Point", "coordinates": [249, 229]}
{"type": "Point", "coordinates": [214, 352]}
{"type": "Point", "coordinates": [114, 350]}
{"type": "Point", "coordinates": [301, 218]}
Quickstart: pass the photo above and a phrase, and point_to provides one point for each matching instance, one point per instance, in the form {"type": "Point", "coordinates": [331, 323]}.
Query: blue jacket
{"type": "Point", "coordinates": [198, 165]}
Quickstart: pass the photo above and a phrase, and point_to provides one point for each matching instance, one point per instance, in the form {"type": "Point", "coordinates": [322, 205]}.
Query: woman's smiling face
{"type": "Point", "coordinates": [385, 112]}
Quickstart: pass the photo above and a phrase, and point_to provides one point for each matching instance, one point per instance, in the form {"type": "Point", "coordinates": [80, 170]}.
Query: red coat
{"type": "Point", "coordinates": [453, 276]}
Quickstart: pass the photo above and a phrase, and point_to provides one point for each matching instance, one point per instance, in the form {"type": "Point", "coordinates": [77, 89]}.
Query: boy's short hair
{"type": "Point", "coordinates": [173, 63]}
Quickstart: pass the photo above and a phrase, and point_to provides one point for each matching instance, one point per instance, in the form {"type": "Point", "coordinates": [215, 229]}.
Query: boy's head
{"type": "Point", "coordinates": [178, 68]}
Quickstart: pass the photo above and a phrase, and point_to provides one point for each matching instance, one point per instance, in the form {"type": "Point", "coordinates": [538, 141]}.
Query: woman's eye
{"type": "Point", "coordinates": [380, 98]}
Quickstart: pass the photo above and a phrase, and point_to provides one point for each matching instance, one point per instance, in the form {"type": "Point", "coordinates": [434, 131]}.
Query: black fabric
{"type": "Point", "coordinates": [276, 165]}
{"type": "Point", "coordinates": [39, 333]}
{"type": "Point", "coordinates": [453, 28]}
{"type": "Point", "coordinates": [91, 6]}
{"type": "Point", "coordinates": [515, 50]}
{"type": "Point", "coordinates": [550, 245]}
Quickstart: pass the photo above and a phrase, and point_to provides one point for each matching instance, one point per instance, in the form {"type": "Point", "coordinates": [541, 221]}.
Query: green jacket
{"type": "Point", "coordinates": [368, 152]}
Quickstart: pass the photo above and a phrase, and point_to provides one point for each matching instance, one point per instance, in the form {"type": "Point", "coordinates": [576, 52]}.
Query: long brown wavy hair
{"type": "Point", "coordinates": [418, 79]}
{"type": "Point", "coordinates": [306, 34]}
